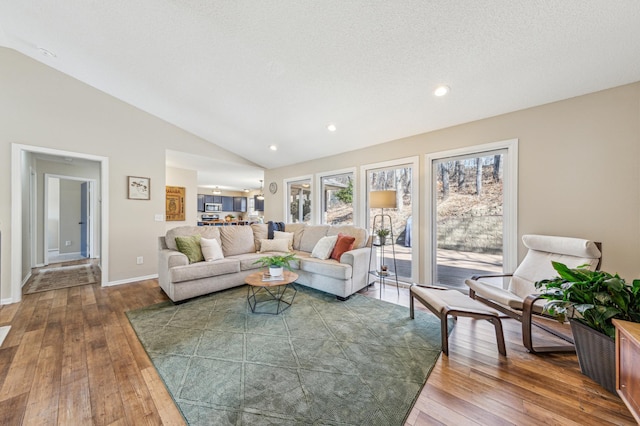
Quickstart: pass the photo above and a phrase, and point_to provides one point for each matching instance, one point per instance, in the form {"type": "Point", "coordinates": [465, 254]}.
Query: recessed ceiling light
{"type": "Point", "coordinates": [46, 52]}
{"type": "Point", "coordinates": [332, 127]}
{"type": "Point", "coordinates": [246, 190]}
{"type": "Point", "coordinates": [441, 90]}
{"type": "Point", "coordinates": [273, 147]}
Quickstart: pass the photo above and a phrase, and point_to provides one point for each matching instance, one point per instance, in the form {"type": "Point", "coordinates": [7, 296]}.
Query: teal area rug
{"type": "Point", "coordinates": [322, 361]}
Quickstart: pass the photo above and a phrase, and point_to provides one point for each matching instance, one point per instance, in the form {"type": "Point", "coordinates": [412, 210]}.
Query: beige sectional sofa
{"type": "Point", "coordinates": [240, 246]}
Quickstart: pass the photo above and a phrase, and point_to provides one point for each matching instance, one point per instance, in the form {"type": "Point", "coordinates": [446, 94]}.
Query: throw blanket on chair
{"type": "Point", "coordinates": [274, 226]}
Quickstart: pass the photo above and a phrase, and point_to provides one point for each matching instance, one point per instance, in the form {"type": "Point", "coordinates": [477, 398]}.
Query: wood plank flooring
{"type": "Point", "coordinates": [71, 357]}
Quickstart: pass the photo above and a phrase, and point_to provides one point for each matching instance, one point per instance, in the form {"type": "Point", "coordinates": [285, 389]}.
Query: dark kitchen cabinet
{"type": "Point", "coordinates": [240, 204]}
{"type": "Point", "coordinates": [258, 204]}
{"type": "Point", "coordinates": [208, 199]}
{"type": "Point", "coordinates": [227, 204]}
{"type": "Point", "coordinates": [217, 199]}
{"type": "Point", "coordinates": [201, 201]}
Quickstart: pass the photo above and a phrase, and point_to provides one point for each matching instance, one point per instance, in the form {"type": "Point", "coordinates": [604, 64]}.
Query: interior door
{"type": "Point", "coordinates": [84, 219]}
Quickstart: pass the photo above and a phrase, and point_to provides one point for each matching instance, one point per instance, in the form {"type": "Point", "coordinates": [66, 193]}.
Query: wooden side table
{"type": "Point", "coordinates": [282, 291]}
{"type": "Point", "coordinates": [627, 361]}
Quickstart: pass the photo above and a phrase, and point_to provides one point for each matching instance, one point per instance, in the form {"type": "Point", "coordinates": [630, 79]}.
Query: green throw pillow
{"type": "Point", "coordinates": [190, 246]}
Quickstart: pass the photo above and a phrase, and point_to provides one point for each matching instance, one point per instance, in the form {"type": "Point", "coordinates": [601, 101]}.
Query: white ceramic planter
{"type": "Point", "coordinates": [276, 271]}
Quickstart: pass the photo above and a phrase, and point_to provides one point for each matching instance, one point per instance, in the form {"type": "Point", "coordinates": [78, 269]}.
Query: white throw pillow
{"type": "Point", "coordinates": [279, 235]}
{"type": "Point", "coordinates": [280, 245]}
{"type": "Point", "coordinates": [211, 249]}
{"type": "Point", "coordinates": [324, 247]}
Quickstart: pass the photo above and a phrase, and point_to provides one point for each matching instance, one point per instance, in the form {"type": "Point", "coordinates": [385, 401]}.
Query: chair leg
{"type": "Point", "coordinates": [499, 335]}
{"type": "Point", "coordinates": [527, 335]}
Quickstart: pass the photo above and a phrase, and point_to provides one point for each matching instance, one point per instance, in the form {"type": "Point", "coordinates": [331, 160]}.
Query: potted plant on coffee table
{"type": "Point", "coordinates": [277, 263]}
{"type": "Point", "coordinates": [591, 300]}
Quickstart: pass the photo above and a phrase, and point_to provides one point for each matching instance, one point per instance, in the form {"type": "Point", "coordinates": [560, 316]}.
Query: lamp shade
{"type": "Point", "coordinates": [382, 199]}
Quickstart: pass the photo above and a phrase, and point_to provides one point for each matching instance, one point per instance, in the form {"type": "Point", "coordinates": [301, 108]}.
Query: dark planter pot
{"type": "Point", "coordinates": [596, 355]}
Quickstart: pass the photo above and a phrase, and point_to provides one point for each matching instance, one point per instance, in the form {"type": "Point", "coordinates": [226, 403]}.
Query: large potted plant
{"type": "Point", "coordinates": [277, 263]}
{"type": "Point", "coordinates": [590, 300]}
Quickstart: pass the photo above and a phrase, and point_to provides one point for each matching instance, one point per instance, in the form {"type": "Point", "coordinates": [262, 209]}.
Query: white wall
{"type": "Point", "coordinates": [45, 108]}
{"type": "Point", "coordinates": [579, 170]}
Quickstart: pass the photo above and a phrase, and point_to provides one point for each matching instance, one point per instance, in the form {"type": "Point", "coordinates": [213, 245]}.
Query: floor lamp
{"type": "Point", "coordinates": [383, 200]}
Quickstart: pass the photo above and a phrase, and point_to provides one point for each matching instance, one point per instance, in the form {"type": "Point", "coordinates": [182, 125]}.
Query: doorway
{"type": "Point", "coordinates": [472, 214]}
{"type": "Point", "coordinates": [23, 205]}
{"type": "Point", "coordinates": [69, 218]}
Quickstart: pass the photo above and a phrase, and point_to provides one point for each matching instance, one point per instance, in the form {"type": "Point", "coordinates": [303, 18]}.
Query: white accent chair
{"type": "Point", "coordinates": [521, 299]}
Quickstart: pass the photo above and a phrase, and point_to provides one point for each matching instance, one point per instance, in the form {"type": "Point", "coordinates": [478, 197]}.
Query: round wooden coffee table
{"type": "Point", "coordinates": [271, 292]}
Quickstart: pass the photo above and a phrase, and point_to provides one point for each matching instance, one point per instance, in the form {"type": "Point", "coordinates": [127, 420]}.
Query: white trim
{"type": "Point", "coordinates": [131, 280]}
{"type": "Point", "coordinates": [16, 212]}
{"type": "Point", "coordinates": [285, 189]}
{"type": "Point", "coordinates": [33, 215]}
{"type": "Point", "coordinates": [7, 301]}
{"type": "Point", "coordinates": [510, 202]}
{"type": "Point", "coordinates": [24, 281]}
{"type": "Point", "coordinates": [414, 161]}
{"type": "Point", "coordinates": [318, 195]}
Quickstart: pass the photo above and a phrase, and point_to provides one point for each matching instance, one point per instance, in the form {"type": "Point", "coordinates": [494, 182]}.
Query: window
{"type": "Point", "coordinates": [298, 201]}
{"type": "Point", "coordinates": [396, 176]}
{"type": "Point", "coordinates": [473, 212]}
{"type": "Point", "coordinates": [336, 193]}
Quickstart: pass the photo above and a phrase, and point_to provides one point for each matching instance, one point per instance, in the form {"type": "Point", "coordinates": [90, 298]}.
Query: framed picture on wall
{"type": "Point", "coordinates": [139, 188]}
{"type": "Point", "coordinates": [175, 203]}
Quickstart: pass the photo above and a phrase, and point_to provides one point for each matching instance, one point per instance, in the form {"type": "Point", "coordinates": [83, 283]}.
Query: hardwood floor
{"type": "Point", "coordinates": [71, 357]}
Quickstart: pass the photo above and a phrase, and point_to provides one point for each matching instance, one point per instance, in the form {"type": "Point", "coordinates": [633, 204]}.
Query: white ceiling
{"type": "Point", "coordinates": [247, 74]}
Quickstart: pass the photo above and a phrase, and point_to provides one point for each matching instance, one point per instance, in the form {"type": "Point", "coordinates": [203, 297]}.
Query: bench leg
{"type": "Point", "coordinates": [411, 302]}
{"type": "Point", "coordinates": [444, 331]}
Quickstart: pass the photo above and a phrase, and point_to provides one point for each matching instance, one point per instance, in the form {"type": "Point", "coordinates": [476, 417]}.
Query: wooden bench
{"type": "Point", "coordinates": [443, 302]}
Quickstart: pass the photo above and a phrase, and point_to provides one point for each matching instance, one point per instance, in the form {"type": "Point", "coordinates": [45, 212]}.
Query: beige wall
{"type": "Point", "coordinates": [187, 179]}
{"type": "Point", "coordinates": [45, 108]}
{"type": "Point", "coordinates": [579, 163]}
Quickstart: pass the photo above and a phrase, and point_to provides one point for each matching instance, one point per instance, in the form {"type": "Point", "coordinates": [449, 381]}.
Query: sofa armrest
{"type": "Point", "coordinates": [359, 261]}
{"type": "Point", "coordinates": [167, 259]}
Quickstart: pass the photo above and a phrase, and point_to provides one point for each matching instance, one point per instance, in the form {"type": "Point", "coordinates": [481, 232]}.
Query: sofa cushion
{"type": "Point", "coordinates": [311, 236]}
{"type": "Point", "coordinates": [184, 231]}
{"type": "Point", "coordinates": [361, 235]}
{"type": "Point", "coordinates": [280, 245]}
{"type": "Point", "coordinates": [211, 249]}
{"type": "Point", "coordinates": [190, 247]}
{"type": "Point", "coordinates": [237, 240]}
{"type": "Point", "coordinates": [324, 248]}
{"type": "Point", "coordinates": [260, 232]}
{"type": "Point", "coordinates": [204, 270]}
{"type": "Point", "coordinates": [298, 230]}
{"type": "Point", "coordinates": [279, 235]}
{"type": "Point", "coordinates": [343, 244]}
{"type": "Point", "coordinates": [248, 261]}
{"type": "Point", "coordinates": [327, 268]}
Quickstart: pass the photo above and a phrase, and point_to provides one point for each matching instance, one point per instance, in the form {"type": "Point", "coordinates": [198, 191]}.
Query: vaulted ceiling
{"type": "Point", "coordinates": [245, 75]}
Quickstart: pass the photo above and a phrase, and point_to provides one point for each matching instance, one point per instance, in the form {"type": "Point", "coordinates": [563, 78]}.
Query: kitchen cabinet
{"type": "Point", "coordinates": [217, 199]}
{"type": "Point", "coordinates": [240, 204]}
{"type": "Point", "coordinates": [227, 204]}
{"type": "Point", "coordinates": [201, 202]}
{"type": "Point", "coordinates": [208, 199]}
{"type": "Point", "coordinates": [258, 204]}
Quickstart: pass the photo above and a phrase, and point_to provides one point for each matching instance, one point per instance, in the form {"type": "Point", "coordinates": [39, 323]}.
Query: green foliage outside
{"type": "Point", "coordinates": [346, 194]}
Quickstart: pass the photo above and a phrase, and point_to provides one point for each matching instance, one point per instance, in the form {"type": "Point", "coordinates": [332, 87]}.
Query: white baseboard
{"type": "Point", "coordinates": [7, 301]}
{"type": "Point", "coordinates": [24, 281]}
{"type": "Point", "coordinates": [130, 280]}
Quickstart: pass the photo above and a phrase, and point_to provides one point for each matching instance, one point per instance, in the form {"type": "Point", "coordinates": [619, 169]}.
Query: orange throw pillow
{"type": "Point", "coordinates": [343, 244]}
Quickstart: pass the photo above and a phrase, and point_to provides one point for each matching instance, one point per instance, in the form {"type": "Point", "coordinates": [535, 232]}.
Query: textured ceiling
{"type": "Point", "coordinates": [247, 74]}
